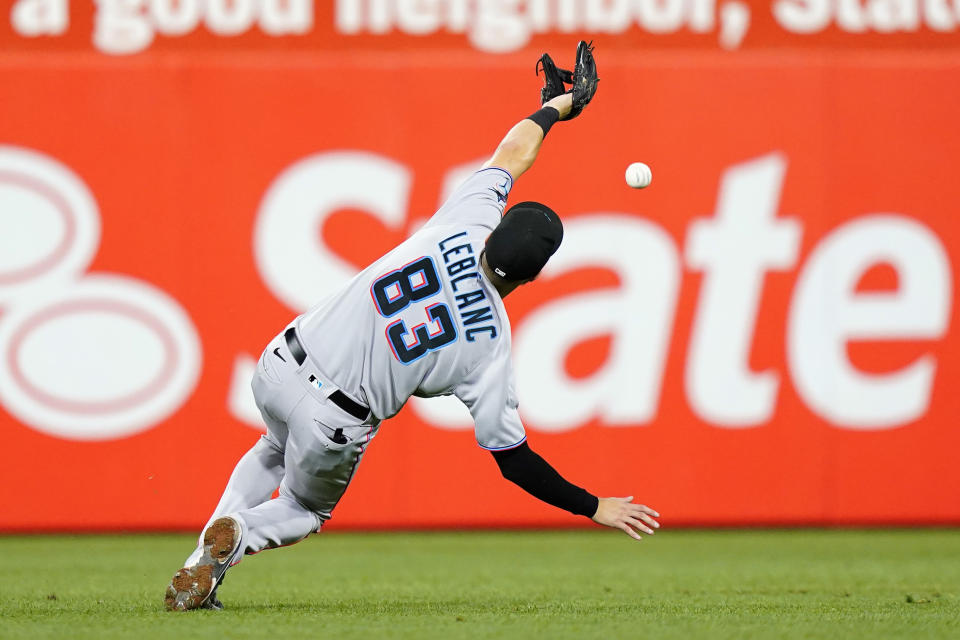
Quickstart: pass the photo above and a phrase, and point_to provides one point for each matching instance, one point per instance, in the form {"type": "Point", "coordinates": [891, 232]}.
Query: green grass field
{"type": "Point", "coordinates": [576, 584]}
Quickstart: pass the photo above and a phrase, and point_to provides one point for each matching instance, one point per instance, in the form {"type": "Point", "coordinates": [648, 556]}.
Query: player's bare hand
{"type": "Point", "coordinates": [562, 104]}
{"type": "Point", "coordinates": [623, 514]}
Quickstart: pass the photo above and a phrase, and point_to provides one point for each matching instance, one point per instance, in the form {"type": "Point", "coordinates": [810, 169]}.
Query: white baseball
{"type": "Point", "coordinates": [638, 175]}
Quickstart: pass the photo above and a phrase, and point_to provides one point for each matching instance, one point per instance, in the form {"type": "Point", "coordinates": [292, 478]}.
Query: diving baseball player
{"type": "Point", "coordinates": [426, 319]}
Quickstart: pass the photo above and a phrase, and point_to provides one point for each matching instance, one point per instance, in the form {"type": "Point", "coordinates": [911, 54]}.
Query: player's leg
{"type": "Point", "coordinates": [319, 463]}
{"type": "Point", "coordinates": [317, 473]}
{"type": "Point", "coordinates": [253, 481]}
{"type": "Point", "coordinates": [258, 473]}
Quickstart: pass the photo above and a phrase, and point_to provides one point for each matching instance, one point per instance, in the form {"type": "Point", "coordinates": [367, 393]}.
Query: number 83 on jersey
{"type": "Point", "coordinates": [415, 282]}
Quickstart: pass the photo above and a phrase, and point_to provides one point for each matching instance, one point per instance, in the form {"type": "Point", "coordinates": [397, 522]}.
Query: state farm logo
{"type": "Point", "coordinates": [82, 356]}
{"type": "Point", "coordinates": [733, 249]}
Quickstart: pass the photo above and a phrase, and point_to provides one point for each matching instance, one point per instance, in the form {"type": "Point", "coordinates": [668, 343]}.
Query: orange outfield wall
{"type": "Point", "coordinates": [688, 347]}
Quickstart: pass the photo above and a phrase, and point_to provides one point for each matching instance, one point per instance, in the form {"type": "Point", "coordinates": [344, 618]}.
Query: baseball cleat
{"type": "Point", "coordinates": [194, 587]}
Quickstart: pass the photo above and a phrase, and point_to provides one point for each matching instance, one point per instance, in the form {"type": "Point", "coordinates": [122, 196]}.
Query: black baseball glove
{"type": "Point", "coordinates": [583, 78]}
{"type": "Point", "coordinates": [553, 79]}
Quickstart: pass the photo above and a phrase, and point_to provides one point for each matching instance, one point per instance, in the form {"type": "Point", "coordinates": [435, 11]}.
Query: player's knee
{"type": "Point", "coordinates": [270, 444]}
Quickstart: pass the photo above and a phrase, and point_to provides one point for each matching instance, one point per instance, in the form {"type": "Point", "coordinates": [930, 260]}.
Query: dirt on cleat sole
{"type": "Point", "coordinates": [219, 540]}
{"type": "Point", "coordinates": [192, 587]}
{"type": "Point", "coordinates": [189, 588]}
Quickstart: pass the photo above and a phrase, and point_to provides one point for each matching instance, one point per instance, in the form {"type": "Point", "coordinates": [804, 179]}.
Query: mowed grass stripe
{"type": "Point", "coordinates": [573, 584]}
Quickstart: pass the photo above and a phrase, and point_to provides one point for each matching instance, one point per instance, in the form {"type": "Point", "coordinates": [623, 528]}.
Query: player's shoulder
{"type": "Point", "coordinates": [491, 182]}
{"type": "Point", "coordinates": [479, 200]}
{"type": "Point", "coordinates": [496, 174]}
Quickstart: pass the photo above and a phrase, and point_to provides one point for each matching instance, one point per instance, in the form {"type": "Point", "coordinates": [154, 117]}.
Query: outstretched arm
{"type": "Point", "coordinates": [534, 475]}
{"type": "Point", "coordinates": [519, 148]}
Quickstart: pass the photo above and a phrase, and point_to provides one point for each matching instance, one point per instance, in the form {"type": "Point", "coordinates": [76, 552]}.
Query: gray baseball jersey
{"type": "Point", "coordinates": [424, 320]}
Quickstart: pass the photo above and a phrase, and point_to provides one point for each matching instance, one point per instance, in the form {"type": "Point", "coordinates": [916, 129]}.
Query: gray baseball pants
{"type": "Point", "coordinates": [310, 451]}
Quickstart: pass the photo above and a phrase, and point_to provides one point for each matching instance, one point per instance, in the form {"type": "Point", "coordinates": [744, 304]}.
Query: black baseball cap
{"type": "Point", "coordinates": [528, 234]}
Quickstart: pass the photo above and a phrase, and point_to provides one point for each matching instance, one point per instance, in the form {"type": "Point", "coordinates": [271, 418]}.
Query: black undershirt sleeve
{"type": "Point", "coordinates": [534, 475]}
